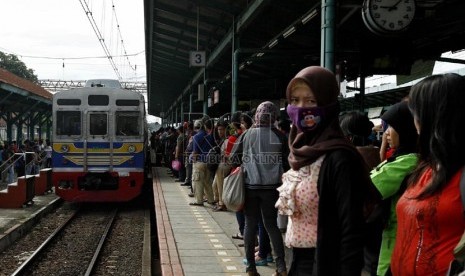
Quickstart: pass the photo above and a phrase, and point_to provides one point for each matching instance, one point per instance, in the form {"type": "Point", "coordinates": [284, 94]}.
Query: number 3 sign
{"type": "Point", "coordinates": [197, 58]}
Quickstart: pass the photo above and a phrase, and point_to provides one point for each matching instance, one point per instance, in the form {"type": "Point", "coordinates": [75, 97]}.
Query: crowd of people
{"type": "Point", "coordinates": [345, 201]}
{"type": "Point", "coordinates": [26, 158]}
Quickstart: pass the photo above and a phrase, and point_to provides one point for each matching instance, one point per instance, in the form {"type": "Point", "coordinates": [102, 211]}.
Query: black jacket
{"type": "Point", "coordinates": [342, 188]}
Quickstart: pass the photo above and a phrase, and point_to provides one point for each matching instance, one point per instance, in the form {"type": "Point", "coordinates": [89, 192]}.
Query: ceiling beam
{"type": "Point", "coordinates": [188, 14]}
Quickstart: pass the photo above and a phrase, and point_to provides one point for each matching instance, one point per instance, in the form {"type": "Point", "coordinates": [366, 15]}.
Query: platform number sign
{"type": "Point", "coordinates": [197, 58]}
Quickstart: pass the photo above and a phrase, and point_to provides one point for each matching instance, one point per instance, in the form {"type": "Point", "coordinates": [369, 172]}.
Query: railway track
{"type": "Point", "coordinates": [70, 249]}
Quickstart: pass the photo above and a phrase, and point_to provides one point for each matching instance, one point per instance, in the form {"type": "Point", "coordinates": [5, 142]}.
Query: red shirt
{"type": "Point", "coordinates": [428, 229]}
{"type": "Point", "coordinates": [230, 142]}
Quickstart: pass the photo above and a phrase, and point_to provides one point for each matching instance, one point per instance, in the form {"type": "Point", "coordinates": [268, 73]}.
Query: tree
{"type": "Point", "coordinates": [13, 64]}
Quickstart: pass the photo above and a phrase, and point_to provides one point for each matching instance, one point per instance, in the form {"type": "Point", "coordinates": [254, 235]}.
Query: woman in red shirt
{"type": "Point", "coordinates": [430, 213]}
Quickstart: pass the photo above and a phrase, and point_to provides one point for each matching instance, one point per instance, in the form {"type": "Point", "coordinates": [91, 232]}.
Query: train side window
{"type": "Point", "coordinates": [127, 123]}
{"type": "Point", "coordinates": [98, 124]}
{"type": "Point", "coordinates": [68, 123]}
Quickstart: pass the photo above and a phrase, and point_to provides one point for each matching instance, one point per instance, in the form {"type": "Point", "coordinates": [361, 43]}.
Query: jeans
{"type": "Point", "coordinates": [11, 174]}
{"type": "Point", "coordinates": [182, 170]}
{"type": "Point", "coordinates": [262, 202]}
{"type": "Point", "coordinates": [188, 171]}
{"type": "Point", "coordinates": [241, 221]}
{"type": "Point", "coordinates": [263, 240]}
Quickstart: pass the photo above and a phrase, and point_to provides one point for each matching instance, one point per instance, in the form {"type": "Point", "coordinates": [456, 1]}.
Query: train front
{"type": "Point", "coordinates": [99, 145]}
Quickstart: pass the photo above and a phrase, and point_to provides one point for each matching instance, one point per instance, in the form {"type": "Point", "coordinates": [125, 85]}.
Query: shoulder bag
{"type": "Point", "coordinates": [234, 190]}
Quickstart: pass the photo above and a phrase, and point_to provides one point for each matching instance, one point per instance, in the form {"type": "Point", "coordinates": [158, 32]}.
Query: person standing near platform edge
{"type": "Point", "coordinates": [202, 143]}
{"type": "Point", "coordinates": [328, 179]}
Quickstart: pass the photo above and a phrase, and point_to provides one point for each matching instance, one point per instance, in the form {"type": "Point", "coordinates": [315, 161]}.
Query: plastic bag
{"type": "Point", "coordinates": [234, 190]}
{"type": "Point", "coordinates": [176, 165]}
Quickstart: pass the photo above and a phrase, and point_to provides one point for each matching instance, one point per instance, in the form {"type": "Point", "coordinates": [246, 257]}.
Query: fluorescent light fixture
{"type": "Point", "coordinates": [242, 66]}
{"type": "Point", "coordinates": [260, 54]}
{"type": "Point", "coordinates": [272, 44]}
{"type": "Point", "coordinates": [308, 17]}
{"type": "Point", "coordinates": [289, 32]}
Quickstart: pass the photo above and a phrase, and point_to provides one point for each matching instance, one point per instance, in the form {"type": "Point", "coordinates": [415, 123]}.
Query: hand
{"type": "Point", "coordinates": [391, 8]}
{"type": "Point", "coordinates": [395, 6]}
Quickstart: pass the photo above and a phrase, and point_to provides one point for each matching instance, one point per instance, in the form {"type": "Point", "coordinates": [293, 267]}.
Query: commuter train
{"type": "Point", "coordinates": [99, 143]}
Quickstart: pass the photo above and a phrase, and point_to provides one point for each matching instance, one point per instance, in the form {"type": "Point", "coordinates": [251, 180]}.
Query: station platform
{"type": "Point", "coordinates": [194, 240]}
{"type": "Point", "coordinates": [15, 221]}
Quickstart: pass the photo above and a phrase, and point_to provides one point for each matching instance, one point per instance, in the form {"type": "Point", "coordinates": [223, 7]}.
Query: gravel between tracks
{"type": "Point", "coordinates": [122, 253]}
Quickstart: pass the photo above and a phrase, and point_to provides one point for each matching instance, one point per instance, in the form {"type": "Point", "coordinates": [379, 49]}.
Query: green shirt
{"type": "Point", "coordinates": [387, 178]}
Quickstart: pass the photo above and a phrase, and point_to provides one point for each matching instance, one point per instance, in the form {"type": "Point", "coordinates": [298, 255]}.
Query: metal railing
{"type": "Point", "coordinates": [9, 165]}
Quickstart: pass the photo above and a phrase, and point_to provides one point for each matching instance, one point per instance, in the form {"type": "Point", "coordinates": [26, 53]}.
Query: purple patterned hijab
{"type": "Point", "coordinates": [266, 114]}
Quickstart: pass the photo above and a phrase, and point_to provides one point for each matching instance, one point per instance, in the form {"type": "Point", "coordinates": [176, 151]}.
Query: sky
{"type": "Point", "coordinates": [56, 39]}
{"type": "Point", "coordinates": [60, 29]}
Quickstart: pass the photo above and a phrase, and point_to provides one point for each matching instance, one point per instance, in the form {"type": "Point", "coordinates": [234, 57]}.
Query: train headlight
{"type": "Point", "coordinates": [64, 148]}
{"type": "Point", "coordinates": [131, 148]}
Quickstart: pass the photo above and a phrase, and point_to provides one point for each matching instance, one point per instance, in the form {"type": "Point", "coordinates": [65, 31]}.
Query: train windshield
{"type": "Point", "coordinates": [68, 123]}
{"type": "Point", "coordinates": [127, 123]}
{"type": "Point", "coordinates": [98, 124]}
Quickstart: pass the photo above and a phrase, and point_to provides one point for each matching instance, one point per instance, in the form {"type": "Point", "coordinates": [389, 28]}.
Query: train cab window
{"type": "Point", "coordinates": [127, 102]}
{"type": "Point", "coordinates": [69, 102]}
{"type": "Point", "coordinates": [98, 100]}
{"type": "Point", "coordinates": [68, 123]}
{"type": "Point", "coordinates": [127, 123]}
{"type": "Point", "coordinates": [98, 124]}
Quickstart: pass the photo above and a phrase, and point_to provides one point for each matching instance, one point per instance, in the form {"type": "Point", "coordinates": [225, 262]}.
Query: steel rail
{"type": "Point", "coordinates": [103, 238]}
{"type": "Point", "coordinates": [24, 266]}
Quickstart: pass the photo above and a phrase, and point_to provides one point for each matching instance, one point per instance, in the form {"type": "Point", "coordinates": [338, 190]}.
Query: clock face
{"type": "Point", "coordinates": [388, 16]}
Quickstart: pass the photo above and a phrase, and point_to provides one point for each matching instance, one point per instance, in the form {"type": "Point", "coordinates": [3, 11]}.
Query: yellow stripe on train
{"type": "Point", "coordinates": [95, 160]}
{"type": "Point", "coordinates": [71, 148]}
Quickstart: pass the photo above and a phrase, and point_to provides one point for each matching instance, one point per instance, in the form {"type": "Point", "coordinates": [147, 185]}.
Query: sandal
{"type": "Point", "coordinates": [220, 208]}
{"type": "Point", "coordinates": [195, 204]}
{"type": "Point", "coordinates": [237, 236]}
{"type": "Point", "coordinates": [258, 261]}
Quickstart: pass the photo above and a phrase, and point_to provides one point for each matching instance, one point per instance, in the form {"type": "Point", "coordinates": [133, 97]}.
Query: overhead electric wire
{"type": "Point", "coordinates": [121, 36]}
{"type": "Point", "coordinates": [47, 57]}
{"type": "Point", "coordinates": [100, 38]}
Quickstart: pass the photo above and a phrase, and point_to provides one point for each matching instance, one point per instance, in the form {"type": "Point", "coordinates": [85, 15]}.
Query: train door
{"type": "Point", "coordinates": [97, 147]}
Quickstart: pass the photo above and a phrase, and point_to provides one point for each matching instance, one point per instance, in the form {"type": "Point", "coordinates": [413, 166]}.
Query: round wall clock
{"type": "Point", "coordinates": [388, 16]}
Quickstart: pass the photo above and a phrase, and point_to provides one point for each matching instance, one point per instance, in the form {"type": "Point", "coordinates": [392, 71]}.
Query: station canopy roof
{"type": "Point", "coordinates": [21, 96]}
{"type": "Point", "coordinates": [275, 39]}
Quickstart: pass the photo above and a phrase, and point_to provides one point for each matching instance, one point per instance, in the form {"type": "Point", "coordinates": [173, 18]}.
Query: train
{"type": "Point", "coordinates": [99, 135]}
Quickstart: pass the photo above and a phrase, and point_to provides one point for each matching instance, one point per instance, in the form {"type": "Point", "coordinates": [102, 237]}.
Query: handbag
{"type": "Point", "coordinates": [176, 165]}
{"type": "Point", "coordinates": [457, 265]}
{"type": "Point", "coordinates": [234, 190]}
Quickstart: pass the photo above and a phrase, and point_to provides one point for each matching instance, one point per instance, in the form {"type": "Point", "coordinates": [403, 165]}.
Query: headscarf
{"type": "Point", "coordinates": [266, 114]}
{"type": "Point", "coordinates": [306, 147]}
